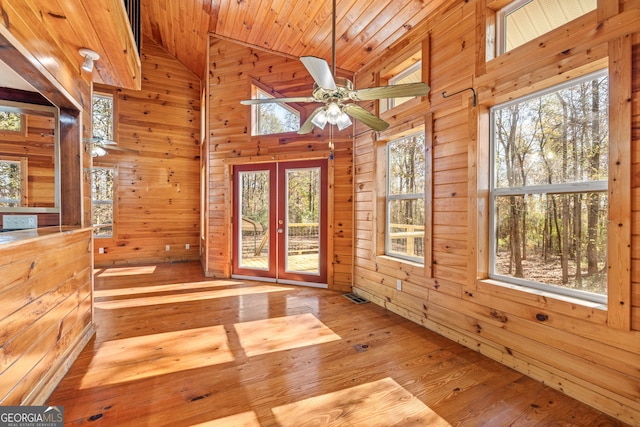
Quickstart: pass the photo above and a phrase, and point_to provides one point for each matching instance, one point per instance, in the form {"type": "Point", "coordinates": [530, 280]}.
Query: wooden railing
{"type": "Point", "coordinates": [411, 234]}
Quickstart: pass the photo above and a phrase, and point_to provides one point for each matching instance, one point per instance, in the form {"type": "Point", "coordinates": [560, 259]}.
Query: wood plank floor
{"type": "Point", "coordinates": [175, 348]}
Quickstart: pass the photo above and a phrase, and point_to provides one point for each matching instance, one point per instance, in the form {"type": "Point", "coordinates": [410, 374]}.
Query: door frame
{"type": "Point", "coordinates": [276, 271]}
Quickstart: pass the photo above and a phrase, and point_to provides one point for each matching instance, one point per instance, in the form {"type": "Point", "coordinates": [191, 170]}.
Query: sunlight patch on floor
{"type": "Point", "coordinates": [126, 271]}
{"type": "Point", "coordinates": [131, 359]}
{"type": "Point", "coordinates": [283, 333]}
{"type": "Point", "coordinates": [186, 297]}
{"type": "Point", "coordinates": [103, 293]}
{"type": "Point", "coordinates": [245, 419]}
{"type": "Point", "coordinates": [376, 404]}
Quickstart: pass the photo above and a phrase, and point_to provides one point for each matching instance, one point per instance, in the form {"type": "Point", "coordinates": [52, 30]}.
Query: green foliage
{"type": "Point", "coordinates": [10, 121]}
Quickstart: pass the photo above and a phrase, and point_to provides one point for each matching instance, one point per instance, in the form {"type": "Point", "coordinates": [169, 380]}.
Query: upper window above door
{"type": "Point", "coordinates": [523, 20]}
{"type": "Point", "coordinates": [272, 118]}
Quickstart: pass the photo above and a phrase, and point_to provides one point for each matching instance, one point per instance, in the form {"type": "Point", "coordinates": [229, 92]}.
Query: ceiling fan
{"type": "Point", "coordinates": [101, 146]}
{"type": "Point", "coordinates": [338, 95]}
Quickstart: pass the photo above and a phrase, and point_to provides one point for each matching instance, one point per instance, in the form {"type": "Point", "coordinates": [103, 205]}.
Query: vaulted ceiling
{"type": "Point", "coordinates": [364, 28]}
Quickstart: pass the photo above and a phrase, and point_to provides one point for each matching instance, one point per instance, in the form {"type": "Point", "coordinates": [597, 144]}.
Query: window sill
{"type": "Point", "coordinates": [496, 286]}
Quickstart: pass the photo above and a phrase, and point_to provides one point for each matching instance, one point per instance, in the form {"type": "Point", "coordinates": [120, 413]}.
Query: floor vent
{"type": "Point", "coordinates": [356, 298]}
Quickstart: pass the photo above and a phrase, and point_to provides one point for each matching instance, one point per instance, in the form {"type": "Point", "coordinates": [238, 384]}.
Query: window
{"type": "Point", "coordinates": [103, 116]}
{"type": "Point", "coordinates": [524, 20]}
{"type": "Point", "coordinates": [13, 182]}
{"type": "Point", "coordinates": [405, 220]}
{"type": "Point", "coordinates": [12, 122]}
{"type": "Point", "coordinates": [102, 190]}
{"type": "Point", "coordinates": [273, 118]}
{"type": "Point", "coordinates": [102, 178]}
{"type": "Point", "coordinates": [412, 74]}
{"type": "Point", "coordinates": [549, 189]}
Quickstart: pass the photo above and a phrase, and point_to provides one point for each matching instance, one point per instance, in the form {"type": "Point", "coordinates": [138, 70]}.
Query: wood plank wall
{"type": "Point", "coordinates": [46, 312]}
{"type": "Point", "coordinates": [231, 70]}
{"type": "Point", "coordinates": [586, 352]}
{"type": "Point", "coordinates": [158, 196]}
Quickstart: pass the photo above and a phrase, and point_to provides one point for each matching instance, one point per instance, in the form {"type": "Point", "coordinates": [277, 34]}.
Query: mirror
{"type": "Point", "coordinates": [29, 162]}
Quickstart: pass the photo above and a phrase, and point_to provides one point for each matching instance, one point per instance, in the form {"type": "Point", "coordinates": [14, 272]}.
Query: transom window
{"type": "Point", "coordinates": [272, 118]}
{"type": "Point", "coordinates": [405, 220]}
{"type": "Point", "coordinates": [412, 74]}
{"type": "Point", "coordinates": [524, 20]}
{"type": "Point", "coordinates": [549, 189]}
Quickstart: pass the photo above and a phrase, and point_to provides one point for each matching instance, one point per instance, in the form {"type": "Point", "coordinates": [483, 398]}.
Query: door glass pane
{"type": "Point", "coordinates": [303, 221]}
{"type": "Point", "coordinates": [253, 235]}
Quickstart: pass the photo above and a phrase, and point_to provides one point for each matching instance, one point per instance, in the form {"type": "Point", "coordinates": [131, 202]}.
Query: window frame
{"type": "Point", "coordinates": [111, 202]}
{"type": "Point", "coordinates": [409, 196]}
{"type": "Point", "coordinates": [500, 36]}
{"type": "Point", "coordinates": [561, 188]}
{"type": "Point", "coordinates": [256, 90]}
{"type": "Point", "coordinates": [412, 68]}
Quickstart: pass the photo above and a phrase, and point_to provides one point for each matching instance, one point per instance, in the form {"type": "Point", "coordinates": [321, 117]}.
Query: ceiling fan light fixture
{"type": "Point", "coordinates": [333, 113]}
{"type": "Point", "coordinates": [320, 119]}
{"type": "Point", "coordinates": [343, 121]}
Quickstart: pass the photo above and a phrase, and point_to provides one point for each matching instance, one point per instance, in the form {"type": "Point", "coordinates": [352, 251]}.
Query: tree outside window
{"type": "Point", "coordinates": [405, 221]}
{"type": "Point", "coordinates": [11, 183]}
{"type": "Point", "coordinates": [103, 178]}
{"type": "Point", "coordinates": [549, 189]}
{"type": "Point", "coordinates": [273, 118]}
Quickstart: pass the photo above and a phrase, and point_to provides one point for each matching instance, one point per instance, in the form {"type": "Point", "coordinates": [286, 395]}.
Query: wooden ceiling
{"type": "Point", "coordinates": [364, 28]}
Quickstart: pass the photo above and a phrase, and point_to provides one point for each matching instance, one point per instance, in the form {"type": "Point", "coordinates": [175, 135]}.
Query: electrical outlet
{"type": "Point", "coordinates": [399, 284]}
{"type": "Point", "coordinates": [187, 246]}
{"type": "Point", "coordinates": [167, 248]}
{"type": "Point", "coordinates": [100, 250]}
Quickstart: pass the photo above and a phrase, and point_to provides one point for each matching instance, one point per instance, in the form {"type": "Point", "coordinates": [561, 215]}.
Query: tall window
{"type": "Point", "coordinates": [412, 74]}
{"type": "Point", "coordinates": [13, 182]}
{"type": "Point", "coordinates": [102, 112]}
{"type": "Point", "coordinates": [549, 189]}
{"type": "Point", "coordinates": [103, 178]}
{"type": "Point", "coordinates": [273, 118]}
{"type": "Point", "coordinates": [102, 191]}
{"type": "Point", "coordinates": [524, 20]}
{"type": "Point", "coordinates": [405, 198]}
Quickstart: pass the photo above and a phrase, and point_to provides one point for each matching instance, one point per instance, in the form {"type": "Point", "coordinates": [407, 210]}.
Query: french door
{"type": "Point", "coordinates": [280, 222]}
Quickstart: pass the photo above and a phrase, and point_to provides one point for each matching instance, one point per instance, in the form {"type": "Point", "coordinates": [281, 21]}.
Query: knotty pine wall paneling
{"type": "Point", "coordinates": [158, 187]}
{"type": "Point", "coordinates": [45, 312]}
{"type": "Point", "coordinates": [232, 69]}
{"type": "Point", "coordinates": [591, 353]}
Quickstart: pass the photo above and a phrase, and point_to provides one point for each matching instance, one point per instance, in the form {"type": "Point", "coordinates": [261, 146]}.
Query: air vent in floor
{"type": "Point", "coordinates": [356, 298]}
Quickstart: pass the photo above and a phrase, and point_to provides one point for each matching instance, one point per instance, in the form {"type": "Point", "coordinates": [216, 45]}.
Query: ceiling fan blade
{"type": "Point", "coordinates": [307, 126]}
{"type": "Point", "coordinates": [278, 100]}
{"type": "Point", "coordinates": [393, 91]}
{"type": "Point", "coordinates": [369, 119]}
{"type": "Point", "coordinates": [320, 71]}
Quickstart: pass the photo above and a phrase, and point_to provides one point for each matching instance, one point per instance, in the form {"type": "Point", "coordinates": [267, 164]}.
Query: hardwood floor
{"type": "Point", "coordinates": [176, 348]}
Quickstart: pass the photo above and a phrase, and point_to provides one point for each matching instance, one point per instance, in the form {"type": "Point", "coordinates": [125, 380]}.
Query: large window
{"type": "Point", "coordinates": [549, 189]}
{"type": "Point", "coordinates": [524, 20]}
{"type": "Point", "coordinates": [273, 118]}
{"type": "Point", "coordinates": [405, 220]}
